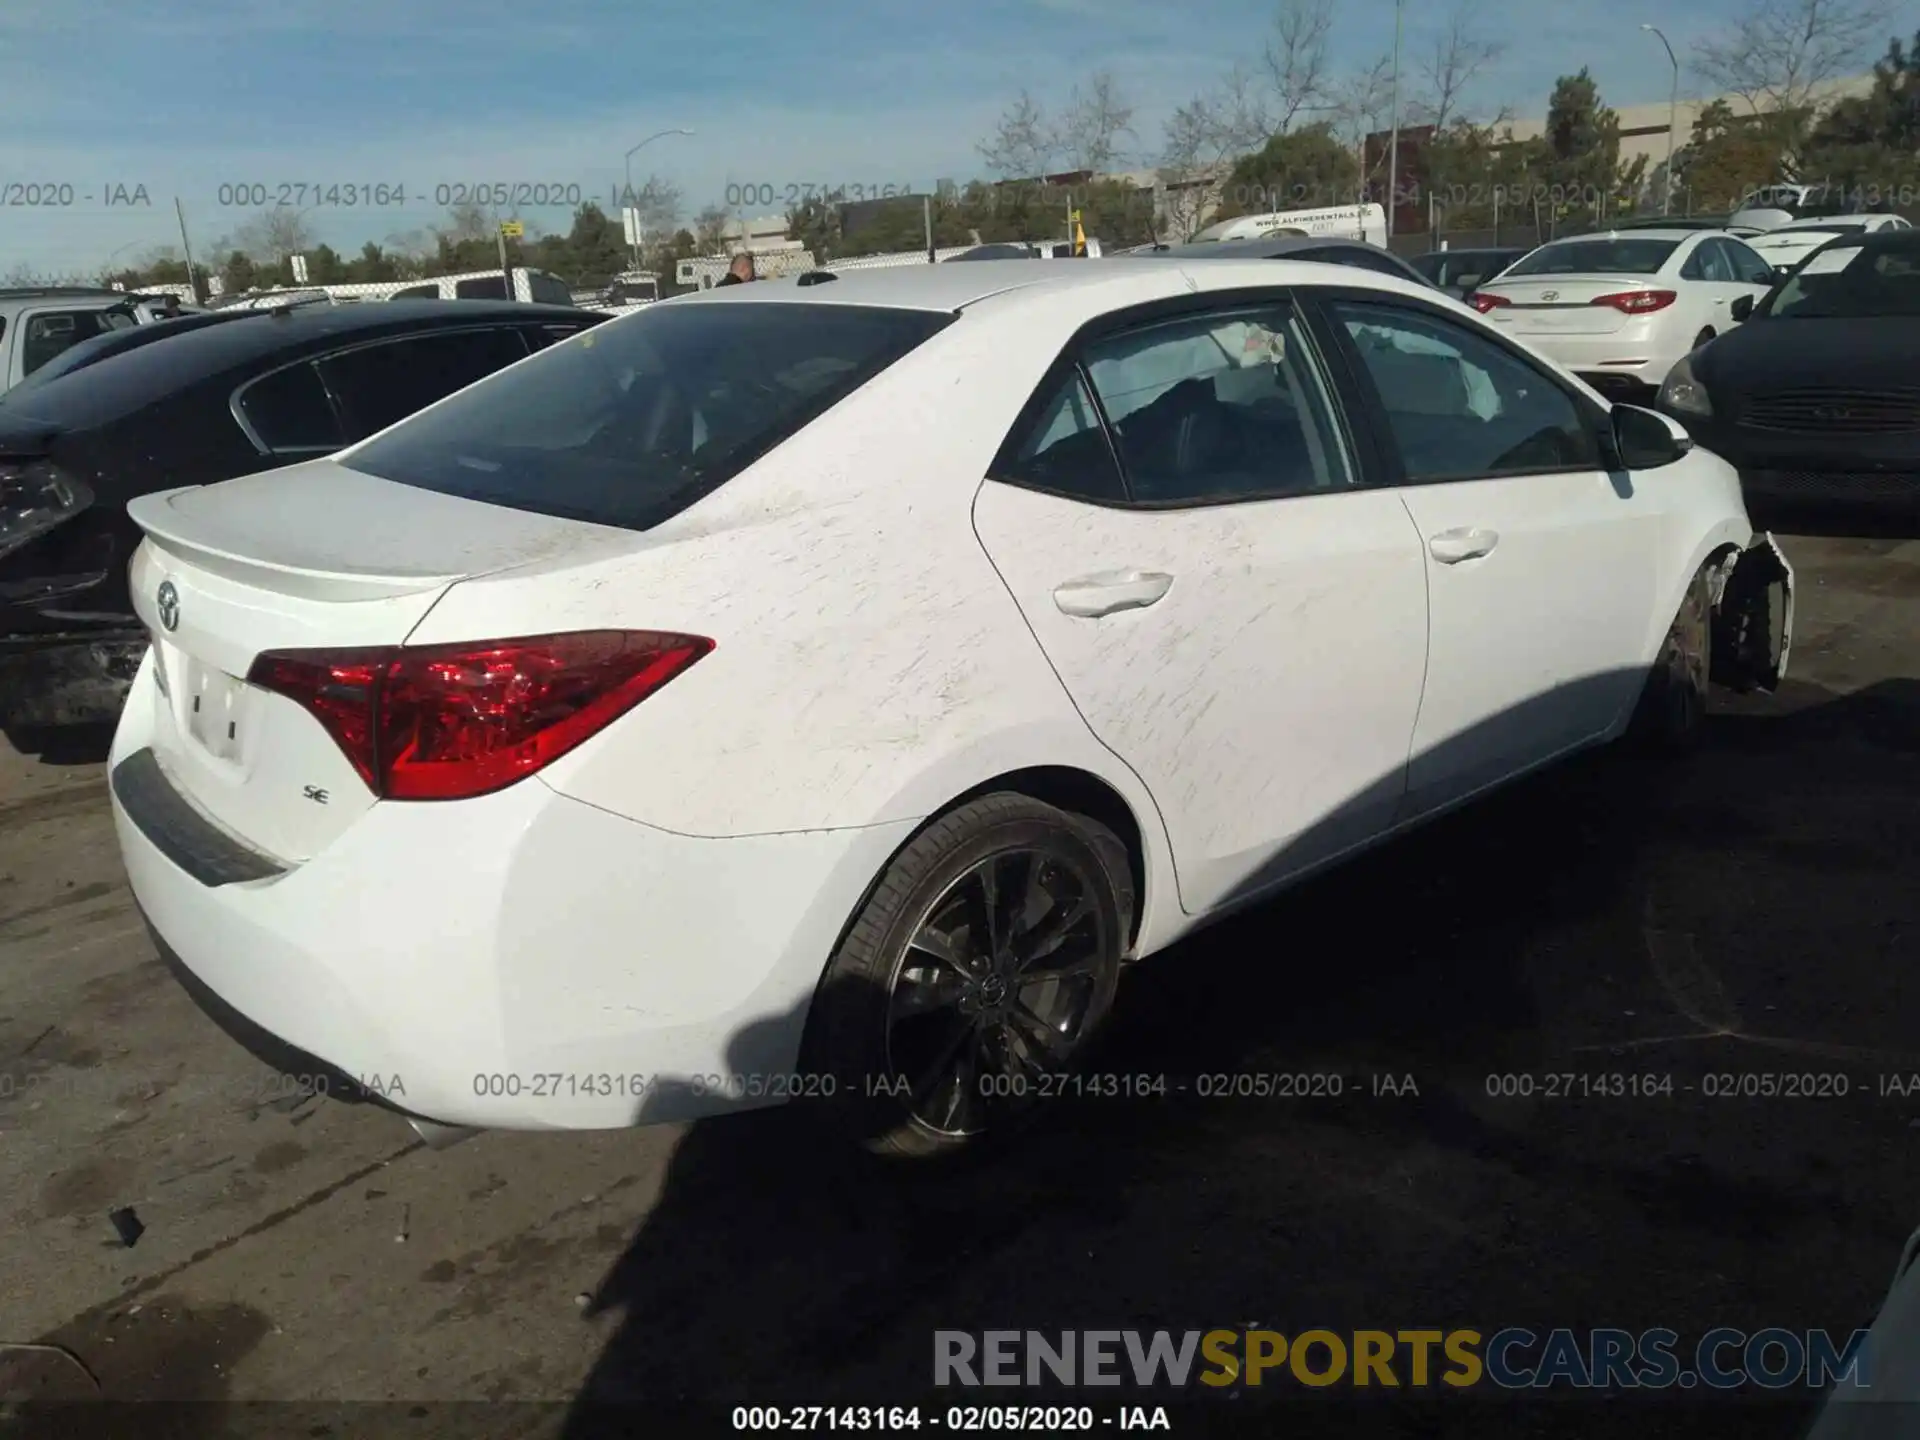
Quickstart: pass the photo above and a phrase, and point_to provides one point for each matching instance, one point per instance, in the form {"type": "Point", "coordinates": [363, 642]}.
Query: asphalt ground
{"type": "Point", "coordinates": [1625, 943]}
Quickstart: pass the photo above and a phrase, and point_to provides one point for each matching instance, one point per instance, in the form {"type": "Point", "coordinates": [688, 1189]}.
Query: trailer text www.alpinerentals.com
{"type": "Point", "coordinates": [1513, 1358]}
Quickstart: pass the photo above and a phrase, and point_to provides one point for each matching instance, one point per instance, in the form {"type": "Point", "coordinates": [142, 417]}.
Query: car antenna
{"type": "Point", "coordinates": [816, 277]}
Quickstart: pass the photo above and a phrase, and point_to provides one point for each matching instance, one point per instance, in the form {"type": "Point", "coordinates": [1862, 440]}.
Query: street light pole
{"type": "Point", "coordinates": [626, 198]}
{"type": "Point", "coordinates": [1393, 145]}
{"type": "Point", "coordinates": [1673, 117]}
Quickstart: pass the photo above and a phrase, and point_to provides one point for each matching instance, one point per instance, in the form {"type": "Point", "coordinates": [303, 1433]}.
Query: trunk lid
{"type": "Point", "coordinates": [1562, 304]}
{"type": "Point", "coordinates": [308, 556]}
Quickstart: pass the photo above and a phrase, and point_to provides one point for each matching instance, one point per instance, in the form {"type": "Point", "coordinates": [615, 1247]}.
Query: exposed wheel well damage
{"type": "Point", "coordinates": [1752, 627]}
{"type": "Point", "coordinates": [1083, 794]}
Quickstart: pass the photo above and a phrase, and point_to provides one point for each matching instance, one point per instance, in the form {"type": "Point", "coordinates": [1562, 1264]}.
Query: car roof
{"type": "Point", "coordinates": [942, 288]}
{"type": "Point", "coordinates": [248, 334]}
{"type": "Point", "coordinates": [948, 289]}
{"type": "Point", "coordinates": [1261, 247]}
{"type": "Point", "coordinates": [1671, 232]}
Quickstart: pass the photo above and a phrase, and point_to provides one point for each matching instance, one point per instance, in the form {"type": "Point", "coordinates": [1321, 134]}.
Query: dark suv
{"type": "Point", "coordinates": [189, 402]}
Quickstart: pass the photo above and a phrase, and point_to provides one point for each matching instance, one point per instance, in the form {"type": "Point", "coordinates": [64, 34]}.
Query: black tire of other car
{"type": "Point", "coordinates": [938, 1037]}
{"type": "Point", "coordinates": [1702, 338]}
{"type": "Point", "coordinates": [1672, 711]}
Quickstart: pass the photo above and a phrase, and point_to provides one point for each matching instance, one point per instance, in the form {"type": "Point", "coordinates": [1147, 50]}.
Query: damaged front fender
{"type": "Point", "coordinates": [1753, 619]}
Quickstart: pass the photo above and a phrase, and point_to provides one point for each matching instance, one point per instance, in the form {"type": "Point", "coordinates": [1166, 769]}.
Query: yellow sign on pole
{"type": "Point", "coordinates": [512, 229]}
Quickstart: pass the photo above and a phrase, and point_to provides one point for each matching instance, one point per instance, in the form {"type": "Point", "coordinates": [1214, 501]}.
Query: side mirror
{"type": "Point", "coordinates": [1742, 308]}
{"type": "Point", "coordinates": [1646, 439]}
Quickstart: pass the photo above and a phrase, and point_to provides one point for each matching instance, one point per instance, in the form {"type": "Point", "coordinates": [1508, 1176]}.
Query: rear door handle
{"type": "Point", "coordinates": [1092, 596]}
{"type": "Point", "coordinates": [1450, 547]}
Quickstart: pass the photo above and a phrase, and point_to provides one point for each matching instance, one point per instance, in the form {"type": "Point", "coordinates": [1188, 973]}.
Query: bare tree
{"type": "Point", "coordinates": [1201, 141]}
{"type": "Point", "coordinates": [273, 235]}
{"type": "Point", "coordinates": [1027, 142]}
{"type": "Point", "coordinates": [1022, 143]}
{"type": "Point", "coordinates": [466, 223]}
{"type": "Point", "coordinates": [710, 228]}
{"type": "Point", "coordinates": [1362, 103]}
{"type": "Point", "coordinates": [660, 204]}
{"type": "Point", "coordinates": [1781, 53]}
{"type": "Point", "coordinates": [1455, 57]}
{"type": "Point", "coordinates": [1096, 119]}
{"type": "Point", "coordinates": [1296, 59]}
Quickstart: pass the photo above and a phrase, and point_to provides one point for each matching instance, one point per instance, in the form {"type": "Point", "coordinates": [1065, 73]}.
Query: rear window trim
{"type": "Point", "coordinates": [677, 502]}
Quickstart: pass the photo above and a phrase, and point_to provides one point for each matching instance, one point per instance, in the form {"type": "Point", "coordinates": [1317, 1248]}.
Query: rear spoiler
{"type": "Point", "coordinates": [202, 545]}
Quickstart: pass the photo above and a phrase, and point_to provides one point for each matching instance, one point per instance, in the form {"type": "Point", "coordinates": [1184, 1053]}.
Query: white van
{"type": "Point", "coordinates": [529, 286]}
{"type": "Point", "coordinates": [1347, 222]}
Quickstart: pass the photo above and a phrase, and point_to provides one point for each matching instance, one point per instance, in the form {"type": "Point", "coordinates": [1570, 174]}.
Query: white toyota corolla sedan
{"type": "Point", "coordinates": [1621, 309]}
{"type": "Point", "coordinates": [823, 689]}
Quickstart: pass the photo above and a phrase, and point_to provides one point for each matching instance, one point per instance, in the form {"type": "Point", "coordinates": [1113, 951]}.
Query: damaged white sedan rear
{"type": "Point", "coordinates": [822, 690]}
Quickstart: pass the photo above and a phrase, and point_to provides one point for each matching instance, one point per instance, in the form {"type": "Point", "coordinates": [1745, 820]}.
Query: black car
{"type": "Point", "coordinates": [1816, 397]}
{"type": "Point", "coordinates": [191, 402]}
{"type": "Point", "coordinates": [1458, 271]}
{"type": "Point", "coordinates": [1331, 250]}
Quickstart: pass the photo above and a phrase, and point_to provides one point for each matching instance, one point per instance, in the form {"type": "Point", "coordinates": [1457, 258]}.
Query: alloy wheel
{"type": "Point", "coordinates": [997, 987]}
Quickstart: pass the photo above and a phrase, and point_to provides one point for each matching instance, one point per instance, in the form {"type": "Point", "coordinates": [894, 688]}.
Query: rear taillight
{"type": "Point", "coordinates": [36, 496]}
{"type": "Point", "coordinates": [448, 722]}
{"type": "Point", "coordinates": [1637, 302]}
{"type": "Point", "coordinates": [1483, 302]}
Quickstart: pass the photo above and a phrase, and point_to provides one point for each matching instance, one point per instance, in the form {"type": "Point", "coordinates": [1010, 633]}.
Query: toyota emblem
{"type": "Point", "coordinates": [168, 599]}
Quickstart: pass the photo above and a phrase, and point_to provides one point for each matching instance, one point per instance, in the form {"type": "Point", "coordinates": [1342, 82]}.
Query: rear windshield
{"type": "Point", "coordinates": [1596, 257]}
{"type": "Point", "coordinates": [635, 420]}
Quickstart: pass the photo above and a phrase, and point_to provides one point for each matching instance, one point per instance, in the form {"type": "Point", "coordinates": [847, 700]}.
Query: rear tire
{"type": "Point", "coordinates": [1672, 712]}
{"type": "Point", "coordinates": [978, 968]}
{"type": "Point", "coordinates": [1702, 338]}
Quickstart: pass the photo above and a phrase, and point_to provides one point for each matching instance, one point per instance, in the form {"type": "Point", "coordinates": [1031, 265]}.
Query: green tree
{"type": "Point", "coordinates": [1870, 144]}
{"type": "Point", "coordinates": [1726, 158]}
{"type": "Point", "coordinates": [239, 273]}
{"type": "Point", "coordinates": [594, 250]}
{"type": "Point", "coordinates": [325, 267]}
{"type": "Point", "coordinates": [1303, 168]}
{"type": "Point", "coordinates": [371, 265]}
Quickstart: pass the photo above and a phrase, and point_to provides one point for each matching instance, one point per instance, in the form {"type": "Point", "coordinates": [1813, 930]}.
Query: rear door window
{"type": "Point", "coordinates": [641, 418]}
{"type": "Point", "coordinates": [289, 410]}
{"type": "Point", "coordinates": [488, 287]}
{"type": "Point", "coordinates": [376, 385]}
{"type": "Point", "coordinates": [546, 290]}
{"type": "Point", "coordinates": [49, 333]}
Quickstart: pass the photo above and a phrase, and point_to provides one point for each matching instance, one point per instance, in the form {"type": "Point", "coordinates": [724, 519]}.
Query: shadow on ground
{"type": "Point", "coordinates": [1747, 911]}
{"type": "Point", "coordinates": [65, 745]}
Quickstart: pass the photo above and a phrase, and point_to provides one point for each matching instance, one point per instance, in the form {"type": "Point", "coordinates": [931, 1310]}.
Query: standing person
{"type": "Point", "coordinates": [741, 270]}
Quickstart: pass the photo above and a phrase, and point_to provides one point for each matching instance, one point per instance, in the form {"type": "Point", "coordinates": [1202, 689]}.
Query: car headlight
{"type": "Point", "coordinates": [35, 496]}
{"type": "Point", "coordinates": [1682, 391]}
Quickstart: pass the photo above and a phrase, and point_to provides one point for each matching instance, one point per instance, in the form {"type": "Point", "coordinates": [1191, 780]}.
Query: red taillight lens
{"type": "Point", "coordinates": [448, 722]}
{"type": "Point", "coordinates": [1637, 302]}
{"type": "Point", "coordinates": [1484, 302]}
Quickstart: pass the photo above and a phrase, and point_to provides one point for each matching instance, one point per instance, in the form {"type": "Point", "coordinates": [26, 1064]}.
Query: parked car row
{"type": "Point", "coordinates": [825, 688]}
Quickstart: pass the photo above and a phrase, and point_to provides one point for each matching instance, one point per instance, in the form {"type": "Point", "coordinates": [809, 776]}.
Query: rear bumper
{"type": "Point", "coordinates": [1592, 356]}
{"type": "Point", "coordinates": [67, 679]}
{"type": "Point", "coordinates": [521, 961]}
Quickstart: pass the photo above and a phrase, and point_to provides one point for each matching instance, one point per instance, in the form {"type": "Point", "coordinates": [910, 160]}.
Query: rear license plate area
{"type": "Point", "coordinates": [214, 705]}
